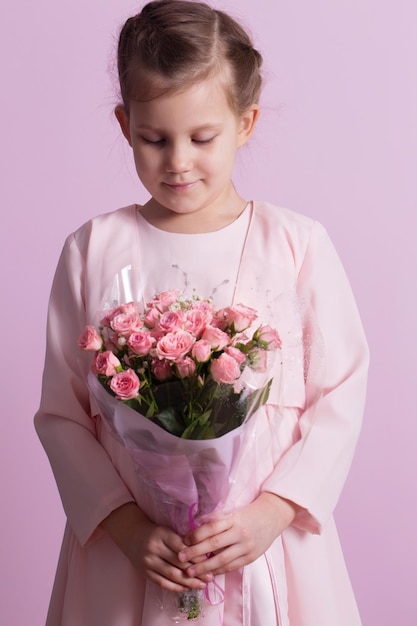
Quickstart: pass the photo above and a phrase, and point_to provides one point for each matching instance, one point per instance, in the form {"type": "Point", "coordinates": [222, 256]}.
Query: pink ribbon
{"type": "Point", "coordinates": [217, 590]}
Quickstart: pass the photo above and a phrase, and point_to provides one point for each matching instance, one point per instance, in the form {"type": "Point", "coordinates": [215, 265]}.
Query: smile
{"type": "Point", "coordinates": [180, 186]}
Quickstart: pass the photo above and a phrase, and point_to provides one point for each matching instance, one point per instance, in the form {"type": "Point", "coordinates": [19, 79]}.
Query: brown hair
{"type": "Point", "coordinates": [172, 44]}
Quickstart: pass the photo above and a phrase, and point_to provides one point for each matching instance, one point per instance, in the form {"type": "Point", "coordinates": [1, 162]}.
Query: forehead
{"type": "Point", "coordinates": [205, 103]}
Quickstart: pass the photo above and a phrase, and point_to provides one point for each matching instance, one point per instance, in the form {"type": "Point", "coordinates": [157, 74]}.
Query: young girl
{"type": "Point", "coordinates": [190, 84]}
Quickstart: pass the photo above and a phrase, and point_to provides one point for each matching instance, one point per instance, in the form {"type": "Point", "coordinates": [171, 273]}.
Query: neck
{"type": "Point", "coordinates": [204, 220]}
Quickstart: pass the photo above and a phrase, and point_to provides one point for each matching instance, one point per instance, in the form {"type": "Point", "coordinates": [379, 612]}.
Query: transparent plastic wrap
{"type": "Point", "coordinates": [184, 482]}
{"type": "Point", "coordinates": [184, 387]}
{"type": "Point", "coordinates": [177, 381]}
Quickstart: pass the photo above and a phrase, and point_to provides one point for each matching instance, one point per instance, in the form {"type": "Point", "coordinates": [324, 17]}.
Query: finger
{"type": "Point", "coordinates": [207, 547]}
{"type": "Point", "coordinates": [198, 559]}
{"type": "Point", "coordinates": [169, 576]}
{"type": "Point", "coordinates": [165, 564]}
{"type": "Point", "coordinates": [165, 583]}
{"type": "Point", "coordinates": [207, 530]}
{"type": "Point", "coordinates": [172, 585]}
{"type": "Point", "coordinates": [221, 563]}
{"type": "Point", "coordinates": [166, 555]}
{"type": "Point", "coordinates": [173, 541]}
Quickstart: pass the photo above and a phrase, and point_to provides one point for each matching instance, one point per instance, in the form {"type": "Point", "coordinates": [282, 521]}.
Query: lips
{"type": "Point", "coordinates": [184, 186]}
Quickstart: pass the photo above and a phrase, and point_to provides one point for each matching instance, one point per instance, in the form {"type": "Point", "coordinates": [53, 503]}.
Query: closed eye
{"type": "Point", "coordinates": [203, 141]}
{"type": "Point", "coordinates": [162, 141]}
{"type": "Point", "coordinates": [154, 142]}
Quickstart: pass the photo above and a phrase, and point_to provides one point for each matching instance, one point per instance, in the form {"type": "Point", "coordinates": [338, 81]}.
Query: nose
{"type": "Point", "coordinates": [178, 158]}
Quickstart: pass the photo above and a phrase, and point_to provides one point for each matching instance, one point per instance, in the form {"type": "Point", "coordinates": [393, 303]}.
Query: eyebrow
{"type": "Point", "coordinates": [212, 126]}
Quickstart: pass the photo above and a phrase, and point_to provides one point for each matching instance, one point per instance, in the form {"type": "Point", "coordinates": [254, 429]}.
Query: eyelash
{"type": "Point", "coordinates": [202, 141]}
{"type": "Point", "coordinates": [161, 142]}
{"type": "Point", "coordinates": [154, 143]}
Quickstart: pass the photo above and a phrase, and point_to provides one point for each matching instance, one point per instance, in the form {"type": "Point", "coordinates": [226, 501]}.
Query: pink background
{"type": "Point", "coordinates": [337, 140]}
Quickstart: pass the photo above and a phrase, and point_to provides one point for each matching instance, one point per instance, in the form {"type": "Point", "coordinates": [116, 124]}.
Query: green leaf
{"type": "Point", "coordinates": [151, 410]}
{"type": "Point", "coordinates": [170, 421]}
{"type": "Point", "coordinates": [200, 428]}
{"type": "Point", "coordinates": [229, 411]}
{"type": "Point", "coordinates": [170, 394]}
{"type": "Point", "coordinates": [259, 398]}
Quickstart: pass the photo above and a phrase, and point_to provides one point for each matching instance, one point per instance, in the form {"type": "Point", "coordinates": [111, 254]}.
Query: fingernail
{"type": "Point", "coordinates": [181, 556]}
{"type": "Point", "coordinates": [191, 572]}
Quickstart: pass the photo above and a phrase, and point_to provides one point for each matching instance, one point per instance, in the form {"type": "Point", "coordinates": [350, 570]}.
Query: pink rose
{"type": "Point", "coordinates": [257, 359]}
{"type": "Point", "coordinates": [216, 338]}
{"type": "Point", "coordinates": [161, 369]}
{"type": "Point", "coordinates": [162, 301]}
{"type": "Point", "coordinates": [129, 308]}
{"type": "Point", "coordinates": [236, 354]}
{"type": "Point", "coordinates": [115, 341]}
{"type": "Point", "coordinates": [203, 305]}
{"type": "Point", "coordinates": [125, 323]}
{"type": "Point", "coordinates": [125, 385]}
{"type": "Point", "coordinates": [140, 342]}
{"type": "Point", "coordinates": [225, 369]}
{"type": "Point", "coordinates": [267, 337]}
{"type": "Point", "coordinates": [239, 338]}
{"type": "Point", "coordinates": [239, 317]}
{"type": "Point", "coordinates": [196, 321]}
{"type": "Point", "coordinates": [174, 345]}
{"type": "Point", "coordinates": [157, 334]}
{"type": "Point", "coordinates": [122, 309]}
{"type": "Point", "coordinates": [105, 363]}
{"type": "Point", "coordinates": [90, 339]}
{"type": "Point", "coordinates": [201, 351]}
{"type": "Point", "coordinates": [151, 317]}
{"type": "Point", "coordinates": [219, 321]}
{"type": "Point", "coordinates": [170, 321]}
{"type": "Point", "coordinates": [185, 367]}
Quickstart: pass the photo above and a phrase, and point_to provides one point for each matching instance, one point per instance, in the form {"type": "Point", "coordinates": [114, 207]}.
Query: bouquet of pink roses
{"type": "Point", "coordinates": [177, 384]}
{"type": "Point", "coordinates": [182, 363]}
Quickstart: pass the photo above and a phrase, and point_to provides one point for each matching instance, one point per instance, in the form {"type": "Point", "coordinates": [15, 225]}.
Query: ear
{"type": "Point", "coordinates": [123, 119]}
{"type": "Point", "coordinates": [247, 124]}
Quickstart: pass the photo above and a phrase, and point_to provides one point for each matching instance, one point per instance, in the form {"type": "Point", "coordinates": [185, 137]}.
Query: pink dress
{"type": "Point", "coordinates": [285, 266]}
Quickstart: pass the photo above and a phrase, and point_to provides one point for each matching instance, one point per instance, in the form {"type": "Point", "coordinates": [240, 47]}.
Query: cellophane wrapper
{"type": "Point", "coordinates": [185, 482]}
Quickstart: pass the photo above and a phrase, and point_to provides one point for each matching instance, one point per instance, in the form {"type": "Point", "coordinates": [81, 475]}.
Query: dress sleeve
{"type": "Point", "coordinates": [314, 469]}
{"type": "Point", "coordinates": [89, 485]}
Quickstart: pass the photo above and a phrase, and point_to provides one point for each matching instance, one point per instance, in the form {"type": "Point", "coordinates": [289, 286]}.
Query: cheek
{"type": "Point", "coordinates": [146, 162]}
{"type": "Point", "coordinates": [222, 163]}
{"type": "Point", "coordinates": [217, 161]}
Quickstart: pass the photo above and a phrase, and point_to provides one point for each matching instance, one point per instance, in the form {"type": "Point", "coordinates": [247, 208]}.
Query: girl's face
{"type": "Point", "coordinates": [184, 145]}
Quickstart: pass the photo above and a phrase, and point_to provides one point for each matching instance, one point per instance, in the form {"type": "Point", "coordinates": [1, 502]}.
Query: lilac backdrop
{"type": "Point", "coordinates": [337, 140]}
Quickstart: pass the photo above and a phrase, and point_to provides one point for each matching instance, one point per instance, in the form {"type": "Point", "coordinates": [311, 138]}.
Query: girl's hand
{"type": "Point", "coordinates": [153, 550]}
{"type": "Point", "coordinates": [238, 539]}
